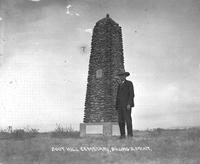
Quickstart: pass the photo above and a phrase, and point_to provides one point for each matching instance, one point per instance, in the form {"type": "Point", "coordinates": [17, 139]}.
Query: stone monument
{"type": "Point", "coordinates": [106, 60]}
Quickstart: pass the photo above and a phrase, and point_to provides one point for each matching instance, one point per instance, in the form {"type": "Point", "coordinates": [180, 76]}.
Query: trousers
{"type": "Point", "coordinates": [124, 116]}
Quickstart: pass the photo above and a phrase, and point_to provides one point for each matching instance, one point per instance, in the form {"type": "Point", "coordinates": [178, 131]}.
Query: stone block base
{"type": "Point", "coordinates": [99, 129]}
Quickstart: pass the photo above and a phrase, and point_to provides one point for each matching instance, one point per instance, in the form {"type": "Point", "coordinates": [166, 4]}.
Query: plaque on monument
{"type": "Point", "coordinates": [99, 73]}
{"type": "Point", "coordinates": [94, 129]}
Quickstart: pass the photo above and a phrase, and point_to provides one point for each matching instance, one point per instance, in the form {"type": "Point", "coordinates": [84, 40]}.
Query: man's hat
{"type": "Point", "coordinates": [121, 73]}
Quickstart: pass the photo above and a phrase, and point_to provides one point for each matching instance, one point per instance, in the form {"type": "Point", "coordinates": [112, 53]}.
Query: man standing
{"type": "Point", "coordinates": [124, 103]}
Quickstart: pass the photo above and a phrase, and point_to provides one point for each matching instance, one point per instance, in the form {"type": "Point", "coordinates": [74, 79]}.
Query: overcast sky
{"type": "Point", "coordinates": [45, 47]}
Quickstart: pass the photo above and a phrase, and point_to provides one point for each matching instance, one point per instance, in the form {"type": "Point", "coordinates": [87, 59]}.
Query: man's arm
{"type": "Point", "coordinates": [131, 94]}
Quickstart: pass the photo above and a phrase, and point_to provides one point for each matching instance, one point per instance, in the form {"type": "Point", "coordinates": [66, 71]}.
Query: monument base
{"type": "Point", "coordinates": [99, 129]}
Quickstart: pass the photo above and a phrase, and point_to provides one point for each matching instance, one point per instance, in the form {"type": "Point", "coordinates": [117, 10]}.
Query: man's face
{"type": "Point", "coordinates": [122, 77]}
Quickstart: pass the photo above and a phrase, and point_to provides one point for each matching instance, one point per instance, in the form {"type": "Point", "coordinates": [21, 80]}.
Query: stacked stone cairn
{"type": "Point", "coordinates": [106, 61]}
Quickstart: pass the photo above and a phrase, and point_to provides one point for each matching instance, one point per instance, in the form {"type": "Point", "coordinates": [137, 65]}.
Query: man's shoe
{"type": "Point", "coordinates": [121, 137]}
{"type": "Point", "coordinates": [130, 135]}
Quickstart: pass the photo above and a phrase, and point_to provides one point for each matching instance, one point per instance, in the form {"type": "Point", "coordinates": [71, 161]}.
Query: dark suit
{"type": "Point", "coordinates": [125, 96]}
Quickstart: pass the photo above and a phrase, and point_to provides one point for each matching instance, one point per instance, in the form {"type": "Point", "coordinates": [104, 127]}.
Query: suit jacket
{"type": "Point", "coordinates": [125, 95]}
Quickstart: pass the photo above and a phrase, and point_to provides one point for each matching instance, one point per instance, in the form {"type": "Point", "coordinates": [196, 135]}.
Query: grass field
{"type": "Point", "coordinates": [146, 147]}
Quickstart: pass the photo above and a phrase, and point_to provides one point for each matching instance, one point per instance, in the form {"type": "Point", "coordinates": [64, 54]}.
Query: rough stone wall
{"type": "Point", "coordinates": [106, 60]}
